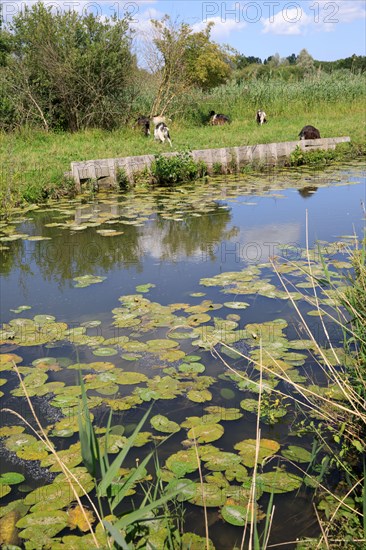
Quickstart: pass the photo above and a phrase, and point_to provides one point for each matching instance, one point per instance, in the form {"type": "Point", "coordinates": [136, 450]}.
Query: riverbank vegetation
{"type": "Point", "coordinates": [65, 96]}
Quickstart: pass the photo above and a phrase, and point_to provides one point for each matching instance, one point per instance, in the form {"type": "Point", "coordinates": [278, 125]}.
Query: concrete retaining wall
{"type": "Point", "coordinates": [231, 159]}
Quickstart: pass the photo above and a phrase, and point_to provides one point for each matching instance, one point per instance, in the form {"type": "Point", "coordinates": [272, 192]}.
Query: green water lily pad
{"type": "Point", "coordinates": [236, 472]}
{"type": "Point", "coordinates": [234, 514]}
{"type": "Point", "coordinates": [11, 478]}
{"type": "Point", "coordinates": [86, 280]}
{"type": "Point", "coordinates": [160, 344]}
{"type": "Point", "coordinates": [206, 433]}
{"type": "Point", "coordinates": [105, 352]}
{"type": "Point", "coordinates": [19, 309]}
{"type": "Point", "coordinates": [44, 319]}
{"type": "Point", "coordinates": [218, 461]}
{"type": "Point", "coordinates": [247, 450]}
{"type": "Point", "coordinates": [199, 396]}
{"type": "Point", "coordinates": [236, 305]}
{"type": "Point", "coordinates": [127, 378]}
{"type": "Point", "coordinates": [297, 454]}
{"type": "Point", "coordinates": [182, 462]}
{"type": "Point", "coordinates": [48, 522]}
{"type": "Point", "coordinates": [227, 393]}
{"type": "Point", "coordinates": [144, 288]}
{"type": "Point", "coordinates": [278, 481]}
{"type": "Point", "coordinates": [230, 413]}
{"type": "Point", "coordinates": [198, 319]}
{"type": "Point", "coordinates": [208, 494]}
{"type": "Point", "coordinates": [193, 367]}
{"type": "Point", "coordinates": [4, 490]}
{"type": "Point", "coordinates": [163, 424]}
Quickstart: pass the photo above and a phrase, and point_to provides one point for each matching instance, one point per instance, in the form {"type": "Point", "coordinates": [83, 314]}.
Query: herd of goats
{"type": "Point", "coordinates": [161, 130]}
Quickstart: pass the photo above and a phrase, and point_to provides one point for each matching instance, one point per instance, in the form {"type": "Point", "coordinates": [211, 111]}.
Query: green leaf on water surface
{"type": "Point", "coordinates": [236, 472]}
{"type": "Point", "coordinates": [44, 319]}
{"type": "Point", "coordinates": [172, 355]}
{"type": "Point", "coordinates": [236, 305]}
{"type": "Point", "coordinates": [199, 396]}
{"type": "Point", "coordinates": [230, 413]}
{"type": "Point", "coordinates": [208, 494]}
{"type": "Point", "coordinates": [86, 280]}
{"type": "Point", "coordinates": [163, 424]}
{"type": "Point", "coordinates": [193, 367]}
{"type": "Point", "coordinates": [278, 481]}
{"type": "Point", "coordinates": [42, 523]}
{"type": "Point", "coordinates": [198, 319]}
{"type": "Point", "coordinates": [91, 324]}
{"type": "Point", "coordinates": [7, 360]}
{"type": "Point", "coordinates": [192, 421]}
{"type": "Point", "coordinates": [164, 387]}
{"type": "Point", "coordinates": [156, 346]}
{"type": "Point", "coordinates": [144, 288]}
{"type": "Point", "coordinates": [190, 541]}
{"type": "Point", "coordinates": [4, 490]}
{"type": "Point", "coordinates": [19, 309]}
{"type": "Point", "coordinates": [234, 514]}
{"type": "Point", "coordinates": [192, 358]}
{"type": "Point", "coordinates": [11, 430]}
{"type": "Point", "coordinates": [11, 478]}
{"type": "Point", "coordinates": [197, 294]}
{"type": "Point", "coordinates": [206, 433]}
{"type": "Point", "coordinates": [131, 378]}
{"type": "Point", "coordinates": [105, 352]}
{"type": "Point", "coordinates": [124, 403]}
{"type": "Point", "coordinates": [182, 463]}
{"type": "Point", "coordinates": [297, 454]}
{"type": "Point", "coordinates": [134, 345]}
{"type": "Point", "coordinates": [186, 489]}
{"type": "Point", "coordinates": [218, 461]}
{"type": "Point", "coordinates": [247, 450]}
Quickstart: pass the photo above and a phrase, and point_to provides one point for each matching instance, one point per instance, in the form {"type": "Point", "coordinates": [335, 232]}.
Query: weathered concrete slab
{"type": "Point", "coordinates": [230, 158]}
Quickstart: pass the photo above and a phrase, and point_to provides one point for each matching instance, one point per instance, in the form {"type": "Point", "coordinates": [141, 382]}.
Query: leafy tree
{"type": "Point", "coordinates": [69, 71]}
{"type": "Point", "coordinates": [207, 64]}
{"type": "Point", "coordinates": [183, 60]}
{"type": "Point", "coordinates": [291, 59]}
{"type": "Point", "coordinates": [305, 60]}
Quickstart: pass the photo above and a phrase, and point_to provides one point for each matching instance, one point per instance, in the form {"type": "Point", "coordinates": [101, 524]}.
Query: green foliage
{"type": "Point", "coordinates": [178, 168]}
{"type": "Point", "coordinates": [67, 71]}
{"type": "Point", "coordinates": [112, 487]}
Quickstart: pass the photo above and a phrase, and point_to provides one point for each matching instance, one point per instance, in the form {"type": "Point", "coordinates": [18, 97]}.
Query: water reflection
{"type": "Point", "coordinates": [307, 192]}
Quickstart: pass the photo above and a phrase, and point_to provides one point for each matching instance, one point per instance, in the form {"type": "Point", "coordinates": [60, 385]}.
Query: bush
{"type": "Point", "coordinates": [178, 168]}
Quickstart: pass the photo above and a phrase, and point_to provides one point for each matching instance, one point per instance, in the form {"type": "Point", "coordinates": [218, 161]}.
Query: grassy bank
{"type": "Point", "coordinates": [33, 162]}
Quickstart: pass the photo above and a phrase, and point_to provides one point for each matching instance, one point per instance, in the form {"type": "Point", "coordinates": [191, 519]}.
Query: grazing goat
{"type": "Point", "coordinates": [309, 132]}
{"type": "Point", "coordinates": [157, 119]}
{"type": "Point", "coordinates": [217, 119]}
{"type": "Point", "coordinates": [161, 133]}
{"type": "Point", "coordinates": [144, 123]}
{"type": "Point", "coordinates": [261, 117]}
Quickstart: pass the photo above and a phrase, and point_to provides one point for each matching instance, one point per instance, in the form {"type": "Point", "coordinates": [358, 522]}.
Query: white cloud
{"type": "Point", "coordinates": [322, 15]}
{"type": "Point", "coordinates": [292, 21]}
{"type": "Point", "coordinates": [222, 28]}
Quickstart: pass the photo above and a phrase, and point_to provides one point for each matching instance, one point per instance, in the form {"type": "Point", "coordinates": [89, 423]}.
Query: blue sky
{"type": "Point", "coordinates": [328, 29]}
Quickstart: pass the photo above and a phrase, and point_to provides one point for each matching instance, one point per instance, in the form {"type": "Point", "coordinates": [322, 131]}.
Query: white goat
{"type": "Point", "coordinates": [261, 117]}
{"type": "Point", "coordinates": [161, 133]}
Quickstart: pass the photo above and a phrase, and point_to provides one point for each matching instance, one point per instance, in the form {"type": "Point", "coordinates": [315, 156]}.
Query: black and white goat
{"type": "Point", "coordinates": [161, 133]}
{"type": "Point", "coordinates": [217, 119]}
{"type": "Point", "coordinates": [309, 132]}
{"type": "Point", "coordinates": [261, 117]}
{"type": "Point", "coordinates": [144, 123]}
